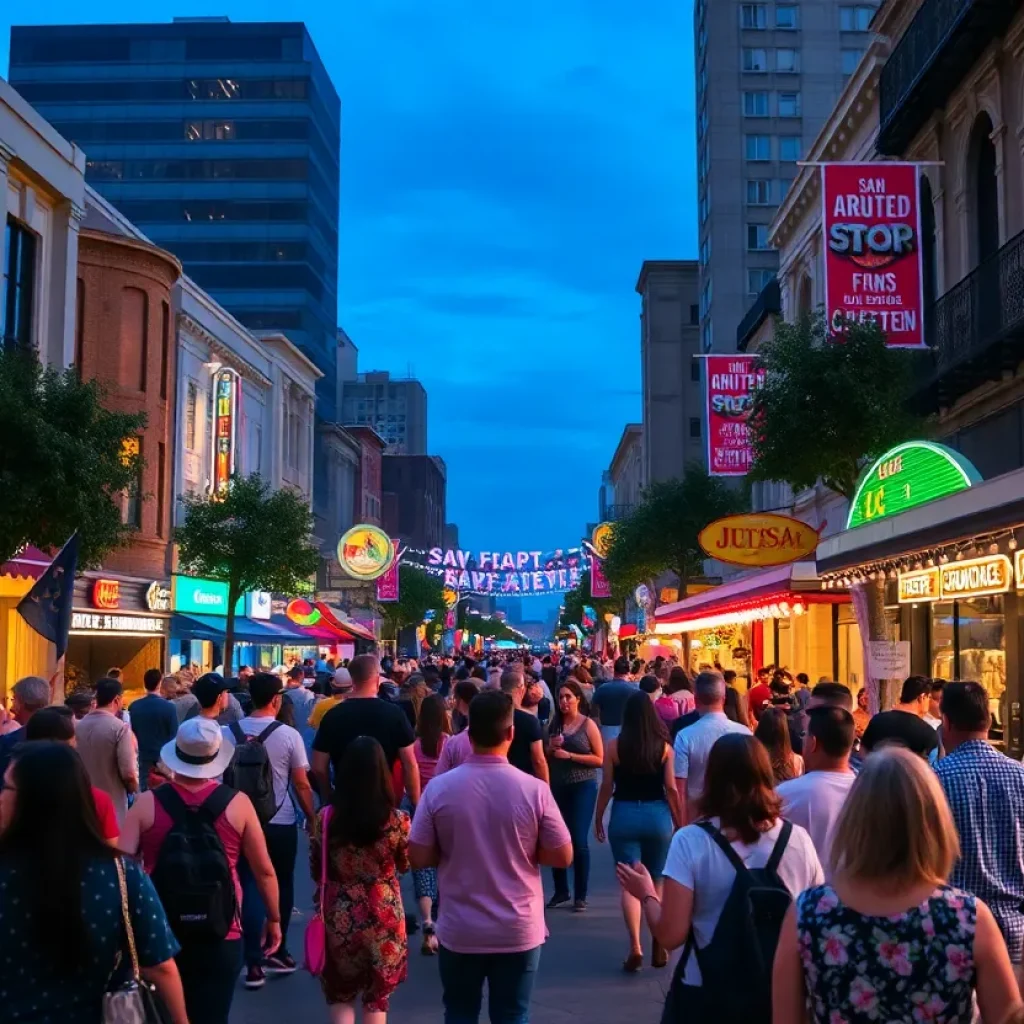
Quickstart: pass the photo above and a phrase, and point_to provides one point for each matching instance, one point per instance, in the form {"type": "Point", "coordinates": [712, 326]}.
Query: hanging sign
{"type": "Point", "coordinates": [888, 659]}
{"type": "Point", "coordinates": [366, 552]}
{"type": "Point", "coordinates": [226, 384]}
{"type": "Point", "coordinates": [1018, 559]}
{"type": "Point", "coordinates": [977, 577]}
{"type": "Point", "coordinates": [387, 585]}
{"type": "Point", "coordinates": [599, 586]}
{"type": "Point", "coordinates": [920, 585]}
{"type": "Point", "coordinates": [872, 222]}
{"type": "Point", "coordinates": [906, 476]}
{"type": "Point", "coordinates": [731, 381]}
{"type": "Point", "coordinates": [758, 539]}
{"type": "Point", "coordinates": [601, 539]}
{"type": "Point", "coordinates": [106, 594]}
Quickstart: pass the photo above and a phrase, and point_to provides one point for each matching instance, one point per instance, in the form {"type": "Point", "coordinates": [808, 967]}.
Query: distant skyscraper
{"type": "Point", "coordinates": [768, 76]}
{"type": "Point", "coordinates": [221, 141]}
{"type": "Point", "coordinates": [396, 409]}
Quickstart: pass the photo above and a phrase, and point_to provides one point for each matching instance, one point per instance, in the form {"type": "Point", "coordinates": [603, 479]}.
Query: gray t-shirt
{"type": "Point", "coordinates": [286, 752]}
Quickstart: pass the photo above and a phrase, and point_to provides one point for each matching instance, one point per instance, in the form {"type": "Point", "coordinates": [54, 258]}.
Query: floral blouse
{"type": "Point", "coordinates": [913, 968]}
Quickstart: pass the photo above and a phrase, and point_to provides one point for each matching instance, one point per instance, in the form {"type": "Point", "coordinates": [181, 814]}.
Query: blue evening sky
{"type": "Point", "coordinates": [505, 170]}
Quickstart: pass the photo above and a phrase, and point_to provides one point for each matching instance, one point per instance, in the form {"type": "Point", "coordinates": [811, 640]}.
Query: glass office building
{"type": "Point", "coordinates": [221, 141]}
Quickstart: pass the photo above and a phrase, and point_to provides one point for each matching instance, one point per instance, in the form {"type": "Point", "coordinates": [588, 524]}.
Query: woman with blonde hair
{"type": "Point", "coordinates": [888, 939]}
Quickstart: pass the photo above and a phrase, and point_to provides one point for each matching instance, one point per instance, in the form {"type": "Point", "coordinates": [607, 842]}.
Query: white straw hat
{"type": "Point", "coordinates": [199, 751]}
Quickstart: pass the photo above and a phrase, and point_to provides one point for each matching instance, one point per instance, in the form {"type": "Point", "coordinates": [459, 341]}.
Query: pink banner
{"type": "Point", "coordinates": [731, 381]}
{"type": "Point", "coordinates": [599, 585]}
{"type": "Point", "coordinates": [387, 585]}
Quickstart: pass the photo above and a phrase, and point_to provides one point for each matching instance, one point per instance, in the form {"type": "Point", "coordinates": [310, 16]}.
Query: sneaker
{"type": "Point", "coordinates": [558, 899]}
{"type": "Point", "coordinates": [579, 906]}
{"type": "Point", "coordinates": [255, 977]}
{"type": "Point", "coordinates": [280, 963]}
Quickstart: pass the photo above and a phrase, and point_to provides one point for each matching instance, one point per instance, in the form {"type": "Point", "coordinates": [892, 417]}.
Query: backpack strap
{"type": "Point", "coordinates": [780, 848]}
{"type": "Point", "coordinates": [170, 800]}
{"type": "Point", "coordinates": [265, 735]}
{"type": "Point", "coordinates": [217, 802]}
{"type": "Point", "coordinates": [237, 733]}
{"type": "Point", "coordinates": [726, 847]}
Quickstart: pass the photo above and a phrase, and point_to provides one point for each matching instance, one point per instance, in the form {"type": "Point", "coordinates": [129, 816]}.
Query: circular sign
{"type": "Point", "coordinates": [601, 539]}
{"type": "Point", "coordinates": [366, 552]}
{"type": "Point", "coordinates": [758, 539]}
{"type": "Point", "coordinates": [302, 612]}
{"type": "Point", "coordinates": [451, 597]}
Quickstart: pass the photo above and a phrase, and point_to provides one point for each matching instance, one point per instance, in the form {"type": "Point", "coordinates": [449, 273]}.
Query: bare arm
{"type": "Point", "coordinates": [303, 792]}
{"type": "Point", "coordinates": [789, 996]}
{"type": "Point", "coordinates": [684, 806]}
{"type": "Point", "coordinates": [672, 789]}
{"type": "Point", "coordinates": [604, 794]}
{"type": "Point", "coordinates": [165, 978]}
{"type": "Point", "coordinates": [596, 759]}
{"type": "Point", "coordinates": [669, 914]}
{"type": "Point", "coordinates": [322, 774]}
{"type": "Point", "coordinates": [539, 761]}
{"type": "Point", "coordinates": [137, 820]}
{"type": "Point", "coordinates": [560, 857]}
{"type": "Point", "coordinates": [998, 994]}
{"type": "Point", "coordinates": [411, 772]}
{"type": "Point", "coordinates": [424, 856]}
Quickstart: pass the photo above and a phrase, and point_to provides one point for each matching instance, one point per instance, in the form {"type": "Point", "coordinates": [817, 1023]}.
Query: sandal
{"type": "Point", "coordinates": [633, 963]}
{"type": "Point", "coordinates": [429, 944]}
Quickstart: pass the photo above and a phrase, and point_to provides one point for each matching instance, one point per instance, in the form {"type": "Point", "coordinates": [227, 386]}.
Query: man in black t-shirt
{"type": "Point", "coordinates": [363, 713]}
{"type": "Point", "coordinates": [527, 750]}
{"type": "Point", "coordinates": [905, 724]}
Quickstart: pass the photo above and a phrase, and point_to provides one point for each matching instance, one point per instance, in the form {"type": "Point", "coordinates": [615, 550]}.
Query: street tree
{"type": "Point", "coordinates": [660, 534]}
{"type": "Point", "coordinates": [581, 597]}
{"type": "Point", "coordinates": [825, 409]}
{"type": "Point", "coordinates": [251, 538]}
{"type": "Point", "coordinates": [419, 592]}
{"type": "Point", "coordinates": [65, 460]}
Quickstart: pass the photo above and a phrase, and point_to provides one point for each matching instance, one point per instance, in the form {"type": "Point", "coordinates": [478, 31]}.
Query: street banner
{"type": "Point", "coordinates": [387, 585]}
{"type": "Point", "coordinates": [599, 585]}
{"type": "Point", "coordinates": [871, 217]}
{"type": "Point", "coordinates": [731, 381]}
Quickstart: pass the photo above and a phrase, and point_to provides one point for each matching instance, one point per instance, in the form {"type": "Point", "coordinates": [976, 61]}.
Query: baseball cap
{"type": "Point", "coordinates": [207, 688]}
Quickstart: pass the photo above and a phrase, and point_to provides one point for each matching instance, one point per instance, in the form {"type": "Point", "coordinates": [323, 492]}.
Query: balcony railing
{"type": "Point", "coordinates": [976, 328]}
{"type": "Point", "coordinates": [941, 44]}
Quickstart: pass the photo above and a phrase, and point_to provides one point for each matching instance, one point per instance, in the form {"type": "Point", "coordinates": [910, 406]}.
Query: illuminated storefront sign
{"type": "Point", "coordinates": [210, 597]}
{"type": "Point", "coordinates": [366, 552]}
{"type": "Point", "coordinates": [759, 539]}
{"type": "Point", "coordinates": [909, 475]}
{"type": "Point", "coordinates": [106, 594]}
{"type": "Point", "coordinates": [920, 585]}
{"type": "Point", "coordinates": [158, 597]}
{"type": "Point", "coordinates": [140, 625]}
{"type": "Point", "coordinates": [302, 613]}
{"type": "Point", "coordinates": [225, 428]}
{"type": "Point", "coordinates": [1018, 559]}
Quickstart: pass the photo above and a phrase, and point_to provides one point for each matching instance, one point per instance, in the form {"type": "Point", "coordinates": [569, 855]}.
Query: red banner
{"type": "Point", "coordinates": [731, 381]}
{"type": "Point", "coordinates": [872, 223]}
{"type": "Point", "coordinates": [387, 585]}
{"type": "Point", "coordinates": [599, 585]}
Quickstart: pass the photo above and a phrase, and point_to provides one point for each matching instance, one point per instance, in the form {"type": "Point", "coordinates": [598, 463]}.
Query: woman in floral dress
{"type": "Point", "coordinates": [888, 941]}
{"type": "Point", "coordinates": [368, 848]}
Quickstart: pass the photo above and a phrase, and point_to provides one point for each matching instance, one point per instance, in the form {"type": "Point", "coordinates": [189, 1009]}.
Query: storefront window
{"type": "Point", "coordinates": [850, 649]}
{"type": "Point", "coordinates": [983, 649]}
{"type": "Point", "coordinates": [943, 654]}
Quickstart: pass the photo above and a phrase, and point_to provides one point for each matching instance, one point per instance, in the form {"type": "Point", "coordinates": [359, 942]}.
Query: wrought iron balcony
{"type": "Point", "coordinates": [941, 44]}
{"type": "Point", "coordinates": [976, 330]}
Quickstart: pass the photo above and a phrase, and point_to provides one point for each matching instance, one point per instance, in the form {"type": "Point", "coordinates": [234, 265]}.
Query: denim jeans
{"type": "Point", "coordinates": [641, 832]}
{"type": "Point", "coordinates": [509, 977]}
{"type": "Point", "coordinates": [209, 977]}
{"type": "Point", "coordinates": [282, 845]}
{"type": "Point", "coordinates": [576, 802]}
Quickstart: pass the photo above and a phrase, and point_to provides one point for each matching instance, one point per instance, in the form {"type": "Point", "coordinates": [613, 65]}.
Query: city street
{"type": "Point", "coordinates": [580, 977]}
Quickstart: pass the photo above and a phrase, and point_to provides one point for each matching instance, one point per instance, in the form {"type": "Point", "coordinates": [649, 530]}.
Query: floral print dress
{"type": "Point", "coordinates": [912, 968]}
{"type": "Point", "coordinates": [364, 918]}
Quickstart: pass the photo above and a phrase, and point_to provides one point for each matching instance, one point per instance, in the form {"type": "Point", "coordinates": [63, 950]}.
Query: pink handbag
{"type": "Point", "coordinates": [315, 942]}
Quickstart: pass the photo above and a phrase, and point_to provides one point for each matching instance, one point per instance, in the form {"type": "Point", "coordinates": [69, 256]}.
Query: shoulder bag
{"type": "Point", "coordinates": [316, 929]}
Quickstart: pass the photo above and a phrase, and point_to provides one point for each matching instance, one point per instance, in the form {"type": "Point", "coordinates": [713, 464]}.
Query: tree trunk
{"type": "Point", "coordinates": [229, 630]}
{"type": "Point", "coordinates": [869, 606]}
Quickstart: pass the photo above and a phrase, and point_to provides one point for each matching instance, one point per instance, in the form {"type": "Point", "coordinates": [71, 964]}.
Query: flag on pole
{"type": "Point", "coordinates": [47, 606]}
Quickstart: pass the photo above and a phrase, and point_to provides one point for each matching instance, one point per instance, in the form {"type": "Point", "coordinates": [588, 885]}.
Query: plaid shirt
{"type": "Point", "coordinates": [985, 790]}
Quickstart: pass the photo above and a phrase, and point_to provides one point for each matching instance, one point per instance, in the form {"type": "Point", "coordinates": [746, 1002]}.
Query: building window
{"type": "Point", "coordinates": [758, 279]}
{"type": "Point", "coordinates": [849, 59]}
{"type": "Point", "coordinates": [787, 18]}
{"type": "Point", "coordinates": [206, 131]}
{"type": "Point", "coordinates": [79, 325]}
{"type": "Point", "coordinates": [787, 60]}
{"type": "Point", "coordinates": [790, 147]}
{"type": "Point", "coordinates": [753, 16]}
{"type": "Point", "coordinates": [694, 314]}
{"type": "Point", "coordinates": [856, 18]}
{"type": "Point", "coordinates": [191, 408]}
{"type": "Point", "coordinates": [755, 104]}
{"type": "Point", "coordinates": [757, 236]}
{"type": "Point", "coordinates": [695, 368]}
{"type": "Point", "coordinates": [161, 468]}
{"type": "Point", "coordinates": [759, 192]}
{"type": "Point", "coordinates": [133, 496]}
{"type": "Point", "coordinates": [758, 147]}
{"type": "Point", "coordinates": [695, 426]}
{"type": "Point", "coordinates": [165, 347]}
{"type": "Point", "coordinates": [755, 59]}
{"type": "Point", "coordinates": [104, 170]}
{"type": "Point", "coordinates": [18, 292]}
{"type": "Point", "coordinates": [789, 104]}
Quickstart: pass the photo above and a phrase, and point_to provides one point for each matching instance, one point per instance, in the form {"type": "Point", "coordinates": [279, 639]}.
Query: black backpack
{"type": "Point", "coordinates": [250, 771]}
{"type": "Point", "coordinates": [192, 875]}
{"type": "Point", "coordinates": [746, 934]}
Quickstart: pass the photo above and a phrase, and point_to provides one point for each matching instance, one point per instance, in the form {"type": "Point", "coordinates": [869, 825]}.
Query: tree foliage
{"type": "Point", "coordinates": [660, 534]}
{"type": "Point", "coordinates": [252, 538]}
{"type": "Point", "coordinates": [578, 598]}
{"type": "Point", "coordinates": [419, 592]}
{"type": "Point", "coordinates": [62, 460]}
{"type": "Point", "coordinates": [827, 406]}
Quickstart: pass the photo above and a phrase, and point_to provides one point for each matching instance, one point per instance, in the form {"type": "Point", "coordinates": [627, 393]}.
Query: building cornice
{"type": "Point", "coordinates": [224, 353]}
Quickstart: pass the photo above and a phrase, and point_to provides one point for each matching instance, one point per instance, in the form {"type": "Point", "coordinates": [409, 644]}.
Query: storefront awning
{"type": "Point", "coordinates": [30, 564]}
{"type": "Point", "coordinates": [773, 593]}
{"type": "Point", "coordinates": [321, 633]}
{"type": "Point", "coordinates": [249, 631]}
{"type": "Point", "coordinates": [332, 619]}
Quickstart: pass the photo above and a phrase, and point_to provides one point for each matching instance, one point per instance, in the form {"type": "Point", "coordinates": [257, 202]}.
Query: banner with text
{"type": "Point", "coordinates": [872, 223]}
{"type": "Point", "coordinates": [599, 585]}
{"type": "Point", "coordinates": [387, 585]}
{"type": "Point", "coordinates": [731, 381]}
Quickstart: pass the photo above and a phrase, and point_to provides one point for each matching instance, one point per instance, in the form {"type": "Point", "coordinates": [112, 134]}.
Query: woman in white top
{"type": "Point", "coordinates": [738, 800]}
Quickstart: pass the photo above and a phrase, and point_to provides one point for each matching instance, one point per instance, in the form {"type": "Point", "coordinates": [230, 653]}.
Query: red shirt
{"type": "Point", "coordinates": [758, 697]}
{"type": "Point", "coordinates": [105, 812]}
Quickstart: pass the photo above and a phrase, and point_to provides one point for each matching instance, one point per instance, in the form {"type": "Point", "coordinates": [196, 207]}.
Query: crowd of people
{"type": "Point", "coordinates": [810, 861]}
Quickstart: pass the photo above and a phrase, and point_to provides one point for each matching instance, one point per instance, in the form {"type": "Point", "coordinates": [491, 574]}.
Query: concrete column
{"type": "Point", "coordinates": [64, 300]}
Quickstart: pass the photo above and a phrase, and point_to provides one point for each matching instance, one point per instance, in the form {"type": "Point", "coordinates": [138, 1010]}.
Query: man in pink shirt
{"type": "Point", "coordinates": [488, 828]}
{"type": "Point", "coordinates": [456, 750]}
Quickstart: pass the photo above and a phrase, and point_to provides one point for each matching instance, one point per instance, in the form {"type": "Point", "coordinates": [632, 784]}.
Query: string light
{"type": "Point", "coordinates": [993, 548]}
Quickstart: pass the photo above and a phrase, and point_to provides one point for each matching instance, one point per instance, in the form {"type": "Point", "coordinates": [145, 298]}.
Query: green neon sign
{"type": "Point", "coordinates": [906, 476]}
